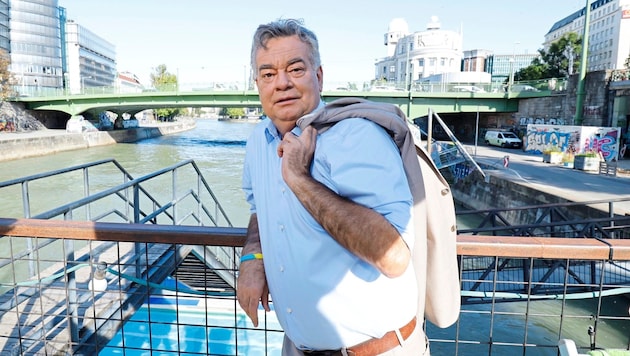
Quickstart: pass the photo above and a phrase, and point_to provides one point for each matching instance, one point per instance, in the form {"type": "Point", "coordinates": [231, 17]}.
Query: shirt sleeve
{"type": "Point", "coordinates": [360, 161]}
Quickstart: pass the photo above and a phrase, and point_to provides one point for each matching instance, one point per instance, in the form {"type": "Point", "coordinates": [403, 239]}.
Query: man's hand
{"type": "Point", "coordinates": [297, 153]}
{"type": "Point", "coordinates": [252, 288]}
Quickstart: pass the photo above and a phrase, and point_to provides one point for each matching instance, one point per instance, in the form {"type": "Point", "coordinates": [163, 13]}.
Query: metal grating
{"type": "Point", "coordinates": [197, 275]}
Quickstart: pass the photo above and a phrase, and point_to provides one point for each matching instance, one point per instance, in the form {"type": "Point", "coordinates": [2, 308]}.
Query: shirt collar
{"type": "Point", "coordinates": [271, 132]}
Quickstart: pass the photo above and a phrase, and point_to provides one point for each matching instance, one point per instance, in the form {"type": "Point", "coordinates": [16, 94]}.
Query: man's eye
{"type": "Point", "coordinates": [266, 75]}
{"type": "Point", "coordinates": [297, 72]}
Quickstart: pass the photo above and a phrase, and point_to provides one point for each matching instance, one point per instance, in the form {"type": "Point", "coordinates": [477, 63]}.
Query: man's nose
{"type": "Point", "coordinates": [283, 80]}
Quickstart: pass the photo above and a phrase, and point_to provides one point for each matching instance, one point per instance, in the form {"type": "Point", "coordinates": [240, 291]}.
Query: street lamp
{"type": "Point", "coordinates": [407, 79]}
{"type": "Point", "coordinates": [511, 80]}
{"type": "Point", "coordinates": [512, 60]}
{"type": "Point", "coordinates": [83, 82]}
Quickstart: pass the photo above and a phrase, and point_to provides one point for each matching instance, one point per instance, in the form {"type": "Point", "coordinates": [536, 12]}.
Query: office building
{"type": "Point", "coordinates": [91, 60]}
{"type": "Point", "coordinates": [35, 45]}
{"type": "Point", "coordinates": [4, 26]}
{"type": "Point", "coordinates": [608, 35]}
{"type": "Point", "coordinates": [50, 54]}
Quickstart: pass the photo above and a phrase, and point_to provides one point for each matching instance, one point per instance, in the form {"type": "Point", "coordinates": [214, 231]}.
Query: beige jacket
{"type": "Point", "coordinates": [435, 250]}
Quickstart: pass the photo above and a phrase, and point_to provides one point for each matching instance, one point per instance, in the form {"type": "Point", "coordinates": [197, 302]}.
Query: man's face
{"type": "Point", "coordinates": [288, 85]}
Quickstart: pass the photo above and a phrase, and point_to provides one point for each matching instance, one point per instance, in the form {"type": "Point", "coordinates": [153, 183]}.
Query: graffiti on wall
{"type": "Point", "coordinates": [6, 125]}
{"type": "Point", "coordinates": [524, 121]}
{"type": "Point", "coordinates": [540, 138]}
{"type": "Point", "coordinates": [574, 139]}
{"type": "Point", "coordinates": [606, 142]}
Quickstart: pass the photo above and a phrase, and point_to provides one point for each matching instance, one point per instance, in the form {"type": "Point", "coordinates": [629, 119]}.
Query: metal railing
{"type": "Point", "coordinates": [157, 312]}
{"type": "Point", "coordinates": [542, 85]}
{"type": "Point", "coordinates": [184, 198]}
{"type": "Point", "coordinates": [63, 305]}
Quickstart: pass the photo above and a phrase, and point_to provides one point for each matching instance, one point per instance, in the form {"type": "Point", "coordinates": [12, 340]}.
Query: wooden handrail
{"type": "Point", "coordinates": [467, 245]}
{"type": "Point", "coordinates": [122, 232]}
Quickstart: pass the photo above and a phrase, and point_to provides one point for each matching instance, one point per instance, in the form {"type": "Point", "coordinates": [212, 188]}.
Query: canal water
{"type": "Point", "coordinates": [218, 148]}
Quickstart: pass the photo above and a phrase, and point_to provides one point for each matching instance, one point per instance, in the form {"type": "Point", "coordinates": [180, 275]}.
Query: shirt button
{"type": "Point", "coordinates": [289, 310]}
{"type": "Point", "coordinates": [281, 268]}
{"type": "Point", "coordinates": [444, 191]}
{"type": "Point", "coordinates": [281, 227]}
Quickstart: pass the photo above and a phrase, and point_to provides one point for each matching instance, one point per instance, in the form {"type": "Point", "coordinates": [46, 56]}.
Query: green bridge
{"type": "Point", "coordinates": [412, 103]}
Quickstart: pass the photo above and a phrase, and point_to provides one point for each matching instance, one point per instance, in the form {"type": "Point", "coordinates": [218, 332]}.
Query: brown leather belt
{"type": "Point", "coordinates": [373, 346]}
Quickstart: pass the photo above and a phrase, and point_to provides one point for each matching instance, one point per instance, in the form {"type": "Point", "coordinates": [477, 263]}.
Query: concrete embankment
{"type": "Point", "coordinates": [529, 182]}
{"type": "Point", "coordinates": [43, 142]}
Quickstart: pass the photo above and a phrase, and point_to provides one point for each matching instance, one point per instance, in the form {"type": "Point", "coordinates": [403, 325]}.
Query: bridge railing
{"type": "Point", "coordinates": [543, 85]}
{"type": "Point", "coordinates": [118, 312]}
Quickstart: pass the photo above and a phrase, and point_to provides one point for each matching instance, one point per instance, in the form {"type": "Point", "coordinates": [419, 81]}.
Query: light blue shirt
{"type": "Point", "coordinates": [324, 296]}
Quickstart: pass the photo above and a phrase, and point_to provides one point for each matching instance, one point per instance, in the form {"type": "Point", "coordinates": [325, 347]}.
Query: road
{"type": "Point", "coordinates": [571, 184]}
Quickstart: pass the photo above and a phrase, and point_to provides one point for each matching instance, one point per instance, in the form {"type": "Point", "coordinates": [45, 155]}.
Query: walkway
{"type": "Point", "coordinates": [574, 185]}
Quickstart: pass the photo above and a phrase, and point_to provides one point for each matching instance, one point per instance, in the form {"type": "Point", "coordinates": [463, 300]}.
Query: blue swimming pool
{"type": "Point", "coordinates": [193, 327]}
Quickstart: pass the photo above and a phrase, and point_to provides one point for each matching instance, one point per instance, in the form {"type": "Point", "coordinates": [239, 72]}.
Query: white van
{"type": "Point", "coordinates": [502, 139]}
{"type": "Point", "coordinates": [468, 89]}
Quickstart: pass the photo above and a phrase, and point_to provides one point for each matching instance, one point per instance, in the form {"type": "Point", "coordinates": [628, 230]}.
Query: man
{"type": "Point", "coordinates": [331, 230]}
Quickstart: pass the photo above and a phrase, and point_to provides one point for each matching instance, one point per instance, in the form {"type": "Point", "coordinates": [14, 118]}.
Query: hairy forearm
{"type": "Point", "coordinates": [252, 243]}
{"type": "Point", "coordinates": [359, 229]}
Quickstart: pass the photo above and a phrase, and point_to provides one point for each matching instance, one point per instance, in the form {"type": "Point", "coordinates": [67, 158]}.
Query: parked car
{"type": "Point", "coordinates": [502, 139]}
{"type": "Point", "coordinates": [522, 87]}
{"type": "Point", "coordinates": [468, 89]}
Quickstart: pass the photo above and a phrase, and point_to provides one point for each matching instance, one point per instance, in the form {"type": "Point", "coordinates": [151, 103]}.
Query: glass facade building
{"type": "Point", "coordinates": [35, 45]}
{"type": "Point", "coordinates": [91, 60]}
{"type": "Point", "coordinates": [4, 26]}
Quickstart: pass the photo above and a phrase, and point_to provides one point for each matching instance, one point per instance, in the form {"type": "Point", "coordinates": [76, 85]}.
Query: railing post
{"type": "Point", "coordinates": [71, 289]}
{"type": "Point", "coordinates": [26, 206]}
{"type": "Point", "coordinates": [86, 192]}
{"type": "Point", "coordinates": [611, 215]}
{"type": "Point", "coordinates": [174, 194]}
{"type": "Point", "coordinates": [136, 219]}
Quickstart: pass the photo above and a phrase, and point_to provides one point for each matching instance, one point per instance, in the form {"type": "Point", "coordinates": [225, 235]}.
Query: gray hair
{"type": "Point", "coordinates": [284, 28]}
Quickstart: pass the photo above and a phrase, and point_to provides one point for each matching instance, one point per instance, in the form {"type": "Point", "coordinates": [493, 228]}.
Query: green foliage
{"type": "Point", "coordinates": [551, 149]}
{"type": "Point", "coordinates": [232, 113]}
{"type": "Point", "coordinates": [162, 80]}
{"type": "Point", "coordinates": [561, 59]}
{"type": "Point", "coordinates": [7, 81]}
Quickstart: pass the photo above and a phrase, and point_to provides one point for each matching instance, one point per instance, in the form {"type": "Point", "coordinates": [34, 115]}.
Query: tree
{"type": "Point", "coordinates": [232, 113]}
{"type": "Point", "coordinates": [7, 81]}
{"type": "Point", "coordinates": [162, 80]}
{"type": "Point", "coordinates": [560, 60]}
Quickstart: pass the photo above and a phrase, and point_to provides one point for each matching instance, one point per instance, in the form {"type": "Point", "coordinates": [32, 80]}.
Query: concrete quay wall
{"type": "Point", "coordinates": [476, 193]}
{"type": "Point", "coordinates": [43, 142]}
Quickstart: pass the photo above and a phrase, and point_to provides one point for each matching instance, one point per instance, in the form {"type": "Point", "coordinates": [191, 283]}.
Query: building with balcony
{"type": "Point", "coordinates": [608, 35]}
{"type": "Point", "coordinates": [413, 57]}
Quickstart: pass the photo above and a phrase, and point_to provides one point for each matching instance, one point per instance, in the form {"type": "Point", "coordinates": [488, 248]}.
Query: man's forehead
{"type": "Point", "coordinates": [283, 50]}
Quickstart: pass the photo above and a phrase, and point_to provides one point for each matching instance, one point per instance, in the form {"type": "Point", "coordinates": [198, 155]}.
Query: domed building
{"type": "Point", "coordinates": [415, 57]}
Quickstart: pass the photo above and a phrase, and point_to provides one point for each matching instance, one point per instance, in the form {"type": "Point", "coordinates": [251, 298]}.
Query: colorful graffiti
{"type": "Point", "coordinates": [6, 125]}
{"type": "Point", "coordinates": [607, 144]}
{"type": "Point", "coordinates": [523, 121]}
{"type": "Point", "coordinates": [574, 139]}
{"type": "Point", "coordinates": [540, 138]}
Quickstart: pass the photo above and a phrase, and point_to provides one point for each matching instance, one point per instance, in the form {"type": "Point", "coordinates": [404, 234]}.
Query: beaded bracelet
{"type": "Point", "coordinates": [251, 256]}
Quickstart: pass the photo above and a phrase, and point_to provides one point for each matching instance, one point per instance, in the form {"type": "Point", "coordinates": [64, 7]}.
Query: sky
{"type": "Point", "coordinates": [209, 40]}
